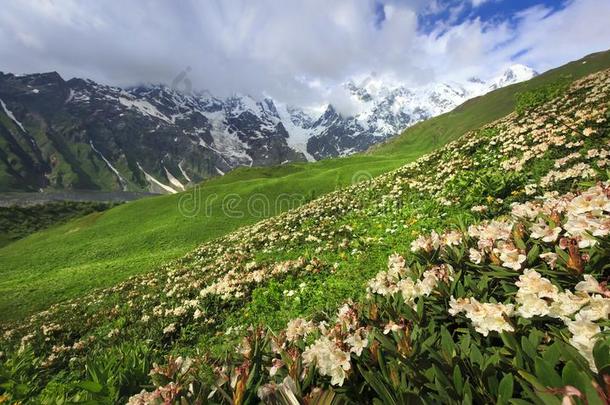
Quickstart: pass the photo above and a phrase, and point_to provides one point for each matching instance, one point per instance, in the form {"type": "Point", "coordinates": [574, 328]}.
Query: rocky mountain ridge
{"type": "Point", "coordinates": [78, 134]}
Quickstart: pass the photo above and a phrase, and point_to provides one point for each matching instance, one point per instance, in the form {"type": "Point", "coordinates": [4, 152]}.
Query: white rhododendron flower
{"type": "Point", "coordinates": [358, 341]}
{"type": "Point", "coordinates": [276, 365]}
{"type": "Point", "coordinates": [583, 337]}
{"type": "Point", "coordinates": [566, 303]}
{"type": "Point", "coordinates": [329, 359]}
{"type": "Point", "coordinates": [510, 256]}
{"type": "Point", "coordinates": [396, 265]}
{"type": "Point", "coordinates": [531, 282]}
{"type": "Point", "coordinates": [542, 230]}
{"type": "Point", "coordinates": [452, 238]}
{"type": "Point", "coordinates": [390, 282]}
{"type": "Point", "coordinates": [426, 243]}
{"type": "Point", "coordinates": [475, 256]}
{"type": "Point", "coordinates": [408, 289]}
{"type": "Point", "coordinates": [299, 328]}
{"type": "Point", "coordinates": [550, 258]}
{"type": "Point", "coordinates": [526, 210]}
{"type": "Point", "coordinates": [531, 305]}
{"type": "Point", "coordinates": [479, 208]}
{"type": "Point", "coordinates": [597, 308]}
{"type": "Point", "coordinates": [589, 285]}
{"type": "Point", "coordinates": [391, 327]}
{"type": "Point", "coordinates": [485, 317]}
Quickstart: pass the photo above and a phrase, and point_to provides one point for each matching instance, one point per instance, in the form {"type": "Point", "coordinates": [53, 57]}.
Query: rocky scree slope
{"type": "Point", "coordinates": [496, 290]}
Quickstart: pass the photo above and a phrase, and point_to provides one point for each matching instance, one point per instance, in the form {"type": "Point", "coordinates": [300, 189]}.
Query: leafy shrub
{"type": "Point", "coordinates": [110, 377]}
{"type": "Point", "coordinates": [529, 100]}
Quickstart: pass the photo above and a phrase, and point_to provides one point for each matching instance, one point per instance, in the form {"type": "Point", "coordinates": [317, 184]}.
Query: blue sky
{"type": "Point", "coordinates": [455, 12]}
{"type": "Point", "coordinates": [294, 50]}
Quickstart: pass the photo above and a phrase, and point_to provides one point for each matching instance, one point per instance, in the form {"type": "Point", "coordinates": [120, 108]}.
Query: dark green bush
{"type": "Point", "coordinates": [18, 222]}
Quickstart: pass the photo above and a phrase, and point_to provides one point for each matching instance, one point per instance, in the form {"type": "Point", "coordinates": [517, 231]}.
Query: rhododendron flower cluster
{"type": "Point", "coordinates": [329, 359]}
{"type": "Point", "coordinates": [485, 317]}
{"type": "Point", "coordinates": [398, 279]}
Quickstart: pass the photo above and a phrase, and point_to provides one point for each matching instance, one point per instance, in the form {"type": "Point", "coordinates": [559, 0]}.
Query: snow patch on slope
{"type": "Point", "coordinates": [226, 143]}
{"type": "Point", "coordinates": [173, 181]}
{"type": "Point", "coordinates": [144, 107]}
{"type": "Point", "coordinates": [183, 171]}
{"type": "Point", "coordinates": [10, 114]}
{"type": "Point", "coordinates": [110, 166]}
{"type": "Point", "coordinates": [297, 135]}
{"type": "Point", "coordinates": [156, 182]}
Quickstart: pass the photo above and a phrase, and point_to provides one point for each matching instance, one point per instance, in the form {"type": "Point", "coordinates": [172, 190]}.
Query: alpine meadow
{"type": "Point", "coordinates": [367, 214]}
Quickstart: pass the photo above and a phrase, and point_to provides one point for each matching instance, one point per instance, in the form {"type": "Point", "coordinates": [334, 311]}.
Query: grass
{"type": "Point", "coordinates": [102, 249]}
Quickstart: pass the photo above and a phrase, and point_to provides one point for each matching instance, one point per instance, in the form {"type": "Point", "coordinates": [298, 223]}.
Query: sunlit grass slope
{"type": "Point", "coordinates": [102, 249]}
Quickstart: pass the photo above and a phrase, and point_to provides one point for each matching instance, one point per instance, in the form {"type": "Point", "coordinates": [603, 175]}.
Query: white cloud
{"type": "Point", "coordinates": [297, 51]}
{"type": "Point", "coordinates": [477, 3]}
{"type": "Point", "coordinates": [344, 103]}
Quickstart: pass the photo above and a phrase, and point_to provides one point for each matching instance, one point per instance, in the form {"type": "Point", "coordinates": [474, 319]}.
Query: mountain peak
{"type": "Point", "coordinates": [513, 74]}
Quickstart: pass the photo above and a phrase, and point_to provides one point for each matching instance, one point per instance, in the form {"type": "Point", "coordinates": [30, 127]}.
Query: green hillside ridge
{"type": "Point", "coordinates": [18, 222]}
{"type": "Point", "coordinates": [103, 249]}
{"type": "Point", "coordinates": [512, 234]}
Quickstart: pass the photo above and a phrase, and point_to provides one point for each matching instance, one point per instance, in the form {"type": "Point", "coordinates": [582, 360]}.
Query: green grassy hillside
{"type": "Point", "coordinates": [473, 275]}
{"type": "Point", "coordinates": [102, 249]}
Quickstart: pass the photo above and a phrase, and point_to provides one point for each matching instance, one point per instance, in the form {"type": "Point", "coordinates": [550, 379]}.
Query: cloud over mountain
{"type": "Point", "coordinates": [293, 50]}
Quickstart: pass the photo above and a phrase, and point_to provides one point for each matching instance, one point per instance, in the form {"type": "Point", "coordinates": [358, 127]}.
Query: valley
{"type": "Point", "coordinates": [233, 202]}
{"type": "Point", "coordinates": [140, 236]}
{"type": "Point", "coordinates": [361, 291]}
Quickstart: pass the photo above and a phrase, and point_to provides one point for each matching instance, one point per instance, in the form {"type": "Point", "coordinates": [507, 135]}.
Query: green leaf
{"type": "Point", "coordinates": [540, 391]}
{"type": "Point", "coordinates": [447, 344]}
{"type": "Point", "coordinates": [516, 401]}
{"type": "Point", "coordinates": [465, 344]}
{"type": "Point", "coordinates": [533, 254]}
{"type": "Point", "coordinates": [546, 374]}
{"type": "Point", "coordinates": [528, 348]}
{"type": "Point", "coordinates": [378, 386]}
{"type": "Point", "coordinates": [571, 375]}
{"type": "Point", "coordinates": [592, 396]}
{"type": "Point", "coordinates": [467, 393]}
{"type": "Point", "coordinates": [562, 254]}
{"type": "Point", "coordinates": [458, 379]}
{"type": "Point", "coordinates": [568, 352]}
{"type": "Point", "coordinates": [535, 337]}
{"type": "Point", "coordinates": [440, 375]}
{"type": "Point", "coordinates": [601, 355]}
{"type": "Point", "coordinates": [385, 342]}
{"type": "Point", "coordinates": [509, 340]}
{"type": "Point", "coordinates": [505, 389]}
{"type": "Point", "coordinates": [91, 386]}
{"type": "Point", "coordinates": [519, 242]}
{"type": "Point", "coordinates": [475, 356]}
{"type": "Point", "coordinates": [552, 354]}
{"type": "Point", "coordinates": [21, 389]}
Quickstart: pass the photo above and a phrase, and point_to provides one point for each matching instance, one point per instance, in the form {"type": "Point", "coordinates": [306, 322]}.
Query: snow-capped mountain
{"type": "Point", "coordinates": [78, 134]}
{"type": "Point", "coordinates": [386, 110]}
{"type": "Point", "coordinates": [515, 74]}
